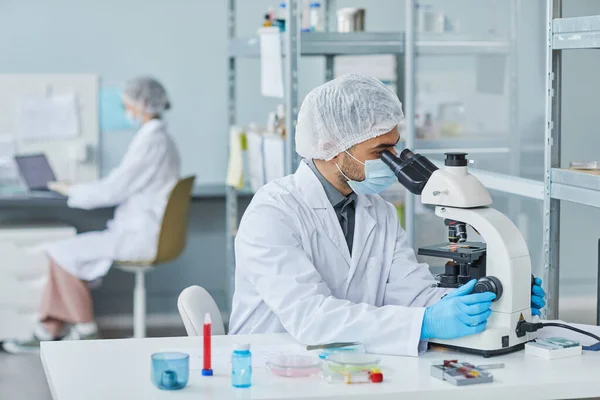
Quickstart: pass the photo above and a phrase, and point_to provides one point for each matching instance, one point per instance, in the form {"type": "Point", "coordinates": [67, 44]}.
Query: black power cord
{"type": "Point", "coordinates": [571, 328]}
{"type": "Point", "coordinates": [523, 327]}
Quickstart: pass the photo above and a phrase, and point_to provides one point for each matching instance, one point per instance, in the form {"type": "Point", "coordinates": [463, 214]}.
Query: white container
{"type": "Point", "coordinates": [585, 165]}
{"type": "Point", "coordinates": [430, 20]}
{"type": "Point", "coordinates": [534, 349]}
{"type": "Point", "coordinates": [351, 19]}
{"type": "Point", "coordinates": [306, 16]}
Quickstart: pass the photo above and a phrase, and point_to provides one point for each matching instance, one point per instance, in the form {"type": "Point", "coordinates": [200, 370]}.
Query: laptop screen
{"type": "Point", "coordinates": [35, 170]}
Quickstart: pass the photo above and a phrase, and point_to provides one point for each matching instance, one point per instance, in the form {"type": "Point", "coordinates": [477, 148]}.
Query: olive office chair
{"type": "Point", "coordinates": [171, 242]}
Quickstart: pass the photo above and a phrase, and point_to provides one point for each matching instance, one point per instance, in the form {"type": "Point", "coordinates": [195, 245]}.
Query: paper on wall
{"type": "Point", "coordinates": [9, 175]}
{"type": "Point", "coordinates": [235, 169]}
{"type": "Point", "coordinates": [274, 157]}
{"type": "Point", "coordinates": [491, 74]}
{"type": "Point", "coordinates": [8, 147]}
{"type": "Point", "coordinates": [382, 67]}
{"type": "Point", "coordinates": [53, 117]}
{"type": "Point", "coordinates": [112, 114]}
{"type": "Point", "coordinates": [271, 62]}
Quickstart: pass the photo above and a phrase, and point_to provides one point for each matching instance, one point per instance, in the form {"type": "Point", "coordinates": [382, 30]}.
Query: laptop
{"type": "Point", "coordinates": [36, 172]}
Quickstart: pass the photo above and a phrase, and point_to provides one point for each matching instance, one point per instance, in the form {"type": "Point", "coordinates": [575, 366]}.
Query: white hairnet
{"type": "Point", "coordinates": [147, 94]}
{"type": "Point", "coordinates": [343, 112]}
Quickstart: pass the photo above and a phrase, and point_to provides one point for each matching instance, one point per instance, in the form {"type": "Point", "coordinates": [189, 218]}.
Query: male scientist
{"type": "Point", "coordinates": [321, 255]}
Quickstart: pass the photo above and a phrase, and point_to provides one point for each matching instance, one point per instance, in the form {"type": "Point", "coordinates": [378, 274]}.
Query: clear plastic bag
{"type": "Point", "coordinates": [585, 165]}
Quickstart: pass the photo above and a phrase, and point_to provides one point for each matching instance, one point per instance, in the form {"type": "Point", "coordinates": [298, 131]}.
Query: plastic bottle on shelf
{"type": "Point", "coordinates": [305, 16]}
{"type": "Point", "coordinates": [267, 22]}
{"type": "Point", "coordinates": [281, 16]}
{"type": "Point", "coordinates": [316, 17]}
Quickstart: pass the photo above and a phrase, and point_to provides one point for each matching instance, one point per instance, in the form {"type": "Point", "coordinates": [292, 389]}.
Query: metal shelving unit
{"type": "Point", "coordinates": [576, 187]}
{"type": "Point", "coordinates": [295, 45]}
{"type": "Point", "coordinates": [559, 184]}
{"type": "Point", "coordinates": [429, 44]}
{"type": "Point", "coordinates": [405, 46]}
{"type": "Point", "coordinates": [328, 43]}
{"type": "Point", "coordinates": [372, 43]}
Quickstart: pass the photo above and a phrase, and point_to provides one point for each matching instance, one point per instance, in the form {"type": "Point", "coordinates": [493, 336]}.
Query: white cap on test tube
{"type": "Point", "coordinates": [207, 319]}
{"type": "Point", "coordinates": [242, 346]}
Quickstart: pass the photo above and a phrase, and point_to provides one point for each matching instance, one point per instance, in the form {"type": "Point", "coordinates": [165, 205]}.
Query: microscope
{"type": "Point", "coordinates": [501, 265]}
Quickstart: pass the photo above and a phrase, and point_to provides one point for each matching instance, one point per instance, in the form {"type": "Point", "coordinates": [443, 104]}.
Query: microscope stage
{"type": "Point", "coordinates": [466, 252]}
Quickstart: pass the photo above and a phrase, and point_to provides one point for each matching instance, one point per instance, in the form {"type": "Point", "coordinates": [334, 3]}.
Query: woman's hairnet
{"type": "Point", "coordinates": [147, 94]}
{"type": "Point", "coordinates": [343, 112]}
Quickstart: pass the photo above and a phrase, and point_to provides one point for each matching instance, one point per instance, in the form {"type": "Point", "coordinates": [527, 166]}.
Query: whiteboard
{"type": "Point", "coordinates": [73, 158]}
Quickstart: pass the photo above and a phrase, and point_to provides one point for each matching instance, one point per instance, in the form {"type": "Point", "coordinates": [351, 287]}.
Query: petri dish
{"type": "Point", "coordinates": [357, 348]}
{"type": "Point", "coordinates": [348, 362]}
{"type": "Point", "coordinates": [293, 366]}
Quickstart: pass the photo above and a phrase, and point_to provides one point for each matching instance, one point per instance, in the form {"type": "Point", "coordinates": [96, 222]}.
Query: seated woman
{"type": "Point", "coordinates": [139, 188]}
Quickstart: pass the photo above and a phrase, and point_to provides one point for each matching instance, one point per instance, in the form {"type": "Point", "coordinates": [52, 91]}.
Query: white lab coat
{"type": "Point", "coordinates": [294, 272]}
{"type": "Point", "coordinates": [139, 188]}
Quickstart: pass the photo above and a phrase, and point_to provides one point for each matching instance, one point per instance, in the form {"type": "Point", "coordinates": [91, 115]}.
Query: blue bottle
{"type": "Point", "coordinates": [241, 366]}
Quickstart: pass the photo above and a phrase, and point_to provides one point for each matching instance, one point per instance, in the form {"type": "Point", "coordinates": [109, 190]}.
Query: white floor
{"type": "Point", "coordinates": [22, 378]}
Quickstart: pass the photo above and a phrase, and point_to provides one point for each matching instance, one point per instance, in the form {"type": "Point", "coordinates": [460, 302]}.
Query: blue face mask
{"type": "Point", "coordinates": [134, 121]}
{"type": "Point", "coordinates": [378, 177]}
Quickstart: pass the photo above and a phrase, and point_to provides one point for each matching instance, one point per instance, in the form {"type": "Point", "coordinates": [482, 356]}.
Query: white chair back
{"type": "Point", "coordinates": [193, 304]}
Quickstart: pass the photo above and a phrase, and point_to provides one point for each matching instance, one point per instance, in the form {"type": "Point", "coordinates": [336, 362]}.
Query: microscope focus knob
{"type": "Point", "coordinates": [489, 284]}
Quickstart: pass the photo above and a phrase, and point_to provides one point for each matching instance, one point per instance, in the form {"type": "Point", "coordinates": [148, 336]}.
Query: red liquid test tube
{"type": "Point", "coordinates": [207, 332]}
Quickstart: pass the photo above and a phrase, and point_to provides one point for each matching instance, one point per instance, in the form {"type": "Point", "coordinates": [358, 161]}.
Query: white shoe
{"type": "Point", "coordinates": [31, 345]}
{"type": "Point", "coordinates": [87, 331]}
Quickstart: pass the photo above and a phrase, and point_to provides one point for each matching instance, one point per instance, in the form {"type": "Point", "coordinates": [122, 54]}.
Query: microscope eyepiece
{"type": "Point", "coordinates": [412, 170]}
{"type": "Point", "coordinates": [456, 160]}
{"type": "Point", "coordinates": [406, 155]}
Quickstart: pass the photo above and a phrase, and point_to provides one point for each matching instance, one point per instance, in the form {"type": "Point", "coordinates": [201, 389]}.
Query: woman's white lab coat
{"type": "Point", "coordinates": [139, 188]}
{"type": "Point", "coordinates": [294, 272]}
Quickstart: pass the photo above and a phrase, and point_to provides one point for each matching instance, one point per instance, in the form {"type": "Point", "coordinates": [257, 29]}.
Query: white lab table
{"type": "Point", "coordinates": [120, 369]}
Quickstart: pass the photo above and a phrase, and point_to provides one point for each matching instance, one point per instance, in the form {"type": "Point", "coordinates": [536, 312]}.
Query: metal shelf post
{"type": "Point", "coordinates": [329, 59]}
{"type": "Point", "coordinates": [409, 109]}
{"type": "Point", "coordinates": [231, 201]}
{"type": "Point", "coordinates": [514, 130]}
{"type": "Point", "coordinates": [292, 51]}
{"type": "Point", "coordinates": [551, 227]}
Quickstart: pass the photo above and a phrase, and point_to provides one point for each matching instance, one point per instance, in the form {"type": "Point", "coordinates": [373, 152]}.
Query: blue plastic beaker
{"type": "Point", "coordinates": [170, 371]}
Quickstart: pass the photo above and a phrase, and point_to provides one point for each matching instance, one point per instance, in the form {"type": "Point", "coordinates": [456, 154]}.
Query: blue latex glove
{"type": "Point", "coordinates": [537, 297]}
{"type": "Point", "coordinates": [458, 314]}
